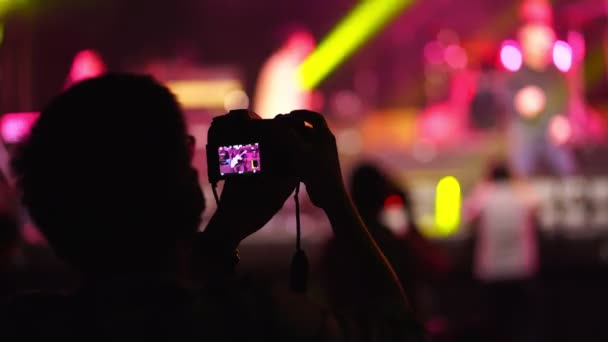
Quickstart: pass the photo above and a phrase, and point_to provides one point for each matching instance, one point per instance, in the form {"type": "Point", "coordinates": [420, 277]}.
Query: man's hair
{"type": "Point", "coordinates": [499, 172]}
{"type": "Point", "coordinates": [106, 174]}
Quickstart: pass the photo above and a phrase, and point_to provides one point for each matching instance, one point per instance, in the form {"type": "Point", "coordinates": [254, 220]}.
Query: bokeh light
{"type": "Point", "coordinates": [87, 64]}
{"type": "Point", "coordinates": [456, 57]}
{"type": "Point", "coordinates": [447, 206]}
{"type": "Point", "coordinates": [536, 11]}
{"type": "Point", "coordinates": [448, 37]}
{"type": "Point", "coordinates": [439, 125]}
{"type": "Point", "coordinates": [511, 55]}
{"type": "Point", "coordinates": [560, 130]}
{"type": "Point", "coordinates": [433, 52]}
{"type": "Point", "coordinates": [530, 101]}
{"type": "Point", "coordinates": [562, 55]}
{"type": "Point", "coordinates": [16, 126]}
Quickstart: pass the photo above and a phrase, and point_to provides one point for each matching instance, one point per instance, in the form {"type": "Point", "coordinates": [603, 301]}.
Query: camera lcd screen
{"type": "Point", "coordinates": [239, 159]}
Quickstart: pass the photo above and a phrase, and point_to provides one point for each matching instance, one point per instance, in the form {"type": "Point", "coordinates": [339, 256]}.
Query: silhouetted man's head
{"type": "Point", "coordinates": [499, 172]}
{"type": "Point", "coordinates": [370, 188]}
{"type": "Point", "coordinates": [106, 175]}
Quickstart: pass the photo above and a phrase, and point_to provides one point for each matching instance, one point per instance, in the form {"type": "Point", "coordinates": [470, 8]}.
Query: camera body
{"type": "Point", "coordinates": [238, 146]}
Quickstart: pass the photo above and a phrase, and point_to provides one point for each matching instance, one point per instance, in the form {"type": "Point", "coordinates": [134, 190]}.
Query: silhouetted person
{"type": "Point", "coordinates": [106, 175]}
{"type": "Point", "coordinates": [506, 251]}
{"type": "Point", "coordinates": [387, 211]}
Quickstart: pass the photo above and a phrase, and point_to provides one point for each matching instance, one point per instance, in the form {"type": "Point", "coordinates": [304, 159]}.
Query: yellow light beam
{"type": "Point", "coordinates": [351, 33]}
{"type": "Point", "coordinates": [447, 206]}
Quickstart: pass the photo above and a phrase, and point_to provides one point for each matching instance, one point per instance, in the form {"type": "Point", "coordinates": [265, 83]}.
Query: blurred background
{"type": "Point", "coordinates": [431, 92]}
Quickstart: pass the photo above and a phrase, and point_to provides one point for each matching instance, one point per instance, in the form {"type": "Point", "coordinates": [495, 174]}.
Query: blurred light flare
{"type": "Point", "coordinates": [203, 94]}
{"type": "Point", "coordinates": [560, 130]}
{"type": "Point", "coordinates": [562, 56]}
{"type": "Point", "coordinates": [511, 56]}
{"type": "Point", "coordinates": [456, 57]}
{"type": "Point", "coordinates": [447, 206]}
{"type": "Point", "coordinates": [87, 64]}
{"type": "Point", "coordinates": [14, 127]}
{"type": "Point", "coordinates": [530, 101]}
{"type": "Point", "coordinates": [358, 27]}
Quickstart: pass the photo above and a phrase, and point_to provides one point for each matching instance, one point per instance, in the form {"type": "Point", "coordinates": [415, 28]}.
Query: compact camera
{"type": "Point", "coordinates": [239, 146]}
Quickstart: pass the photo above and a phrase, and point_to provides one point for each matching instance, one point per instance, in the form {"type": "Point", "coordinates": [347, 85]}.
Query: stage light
{"type": "Point", "coordinates": [562, 55]}
{"type": "Point", "coordinates": [560, 130]}
{"type": "Point", "coordinates": [511, 55]}
{"type": "Point", "coordinates": [433, 52]}
{"type": "Point", "coordinates": [439, 125]}
{"type": "Point", "coordinates": [87, 64]}
{"type": "Point", "coordinates": [350, 34]}
{"type": "Point", "coordinates": [530, 101]}
{"type": "Point", "coordinates": [16, 126]}
{"type": "Point", "coordinates": [447, 206]}
{"type": "Point", "coordinates": [203, 94]}
{"type": "Point", "coordinates": [1, 33]}
{"type": "Point", "coordinates": [456, 57]}
{"type": "Point", "coordinates": [536, 11]}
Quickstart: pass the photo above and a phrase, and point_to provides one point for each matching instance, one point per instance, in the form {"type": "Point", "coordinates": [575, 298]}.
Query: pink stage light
{"type": "Point", "coordinates": [87, 64]}
{"type": "Point", "coordinates": [562, 55]}
{"type": "Point", "coordinates": [439, 124]}
{"type": "Point", "coordinates": [456, 57]}
{"type": "Point", "coordinates": [16, 126]}
{"type": "Point", "coordinates": [560, 130]}
{"type": "Point", "coordinates": [511, 56]}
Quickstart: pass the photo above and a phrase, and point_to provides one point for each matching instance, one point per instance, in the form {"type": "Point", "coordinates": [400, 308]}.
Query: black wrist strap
{"type": "Point", "coordinates": [298, 277]}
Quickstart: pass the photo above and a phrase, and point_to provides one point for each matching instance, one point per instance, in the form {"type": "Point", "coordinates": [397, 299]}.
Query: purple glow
{"type": "Point", "coordinates": [16, 126]}
{"type": "Point", "coordinates": [562, 55]}
{"type": "Point", "coordinates": [511, 56]}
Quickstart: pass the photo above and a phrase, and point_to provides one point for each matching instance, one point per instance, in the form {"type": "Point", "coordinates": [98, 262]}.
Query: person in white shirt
{"type": "Point", "coordinates": [506, 251]}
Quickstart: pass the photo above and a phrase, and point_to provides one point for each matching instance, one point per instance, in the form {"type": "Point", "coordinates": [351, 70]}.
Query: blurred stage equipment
{"type": "Point", "coordinates": [278, 89]}
{"type": "Point", "coordinates": [358, 27]}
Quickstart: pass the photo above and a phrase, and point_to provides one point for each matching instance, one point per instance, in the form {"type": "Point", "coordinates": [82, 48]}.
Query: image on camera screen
{"type": "Point", "coordinates": [239, 159]}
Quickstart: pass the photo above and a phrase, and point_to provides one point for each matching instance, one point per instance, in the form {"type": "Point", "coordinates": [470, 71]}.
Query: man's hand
{"type": "Point", "coordinates": [319, 162]}
{"type": "Point", "coordinates": [247, 204]}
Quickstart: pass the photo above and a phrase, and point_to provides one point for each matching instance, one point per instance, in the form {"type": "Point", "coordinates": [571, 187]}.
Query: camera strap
{"type": "Point", "coordinates": [298, 279]}
{"type": "Point", "coordinates": [298, 273]}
